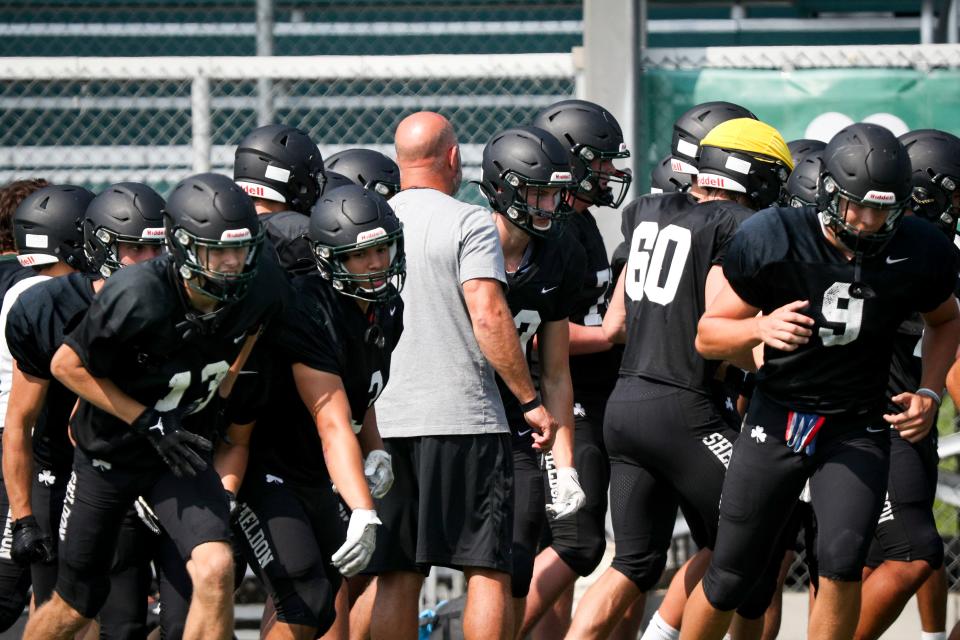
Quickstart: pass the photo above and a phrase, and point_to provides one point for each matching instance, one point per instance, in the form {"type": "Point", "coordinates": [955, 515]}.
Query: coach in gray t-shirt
{"type": "Point", "coordinates": [440, 382]}
{"type": "Point", "coordinates": [441, 416]}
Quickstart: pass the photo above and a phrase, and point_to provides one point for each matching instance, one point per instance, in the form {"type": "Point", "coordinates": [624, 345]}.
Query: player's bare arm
{"type": "Point", "coordinates": [67, 367]}
{"type": "Point", "coordinates": [497, 337]}
{"type": "Point", "coordinates": [940, 336]}
{"type": "Point", "coordinates": [557, 389]}
{"type": "Point", "coordinates": [326, 399]}
{"type": "Point", "coordinates": [232, 454]}
{"type": "Point", "coordinates": [27, 395]}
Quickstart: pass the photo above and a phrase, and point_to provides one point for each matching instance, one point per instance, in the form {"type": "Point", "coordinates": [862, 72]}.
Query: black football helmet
{"type": "Point", "coordinates": [280, 163]}
{"type": "Point", "coordinates": [865, 164]}
{"type": "Point", "coordinates": [367, 168]}
{"type": "Point", "coordinates": [663, 179]}
{"type": "Point", "coordinates": [522, 159]}
{"type": "Point", "coordinates": [349, 219]}
{"type": "Point", "coordinates": [935, 158]}
{"type": "Point", "coordinates": [48, 226]}
{"type": "Point", "coordinates": [205, 213]}
{"type": "Point", "coordinates": [591, 133]}
{"type": "Point", "coordinates": [694, 125]}
{"type": "Point", "coordinates": [801, 187]}
{"type": "Point", "coordinates": [803, 146]}
{"type": "Point", "coordinates": [336, 180]}
{"type": "Point", "coordinates": [128, 212]}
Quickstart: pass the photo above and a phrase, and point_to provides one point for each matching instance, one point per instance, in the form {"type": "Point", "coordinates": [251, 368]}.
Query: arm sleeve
{"type": "Point", "coordinates": [305, 333]}
{"type": "Point", "coordinates": [115, 319]}
{"type": "Point", "coordinates": [481, 255]}
{"type": "Point", "coordinates": [944, 265]}
{"type": "Point", "coordinates": [756, 244]}
{"type": "Point", "coordinates": [28, 342]}
{"type": "Point", "coordinates": [725, 230]}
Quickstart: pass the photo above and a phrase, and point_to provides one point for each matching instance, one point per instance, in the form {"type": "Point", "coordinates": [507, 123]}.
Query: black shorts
{"type": "Point", "coordinates": [668, 446]}
{"type": "Point", "coordinates": [529, 517]}
{"type": "Point", "coordinates": [288, 535]}
{"type": "Point", "coordinates": [907, 530]}
{"type": "Point", "coordinates": [581, 539]}
{"type": "Point", "coordinates": [191, 510]}
{"type": "Point", "coordinates": [451, 504]}
{"type": "Point", "coordinates": [848, 475]}
{"type": "Point", "coordinates": [14, 579]}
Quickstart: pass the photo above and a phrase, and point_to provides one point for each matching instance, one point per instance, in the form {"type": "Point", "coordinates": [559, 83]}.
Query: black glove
{"type": "Point", "coordinates": [175, 445]}
{"type": "Point", "coordinates": [30, 544]}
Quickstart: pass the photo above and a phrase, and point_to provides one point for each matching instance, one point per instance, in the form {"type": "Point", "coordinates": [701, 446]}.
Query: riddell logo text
{"type": "Point", "coordinates": [253, 190]}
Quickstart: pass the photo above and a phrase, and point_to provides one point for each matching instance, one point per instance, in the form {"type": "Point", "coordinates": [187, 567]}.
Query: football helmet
{"type": "Point", "coordinates": [801, 187]}
{"type": "Point", "coordinates": [528, 164]}
{"type": "Point", "coordinates": [207, 214]}
{"type": "Point", "coordinates": [746, 156]}
{"type": "Point", "coordinates": [935, 159]}
{"type": "Point", "coordinates": [591, 133]}
{"type": "Point", "coordinates": [280, 163]}
{"type": "Point", "coordinates": [692, 126]}
{"type": "Point", "coordinates": [865, 164]}
{"type": "Point", "coordinates": [126, 212]}
{"type": "Point", "coordinates": [350, 219]}
{"type": "Point", "coordinates": [803, 146]}
{"type": "Point", "coordinates": [48, 226]}
{"type": "Point", "coordinates": [367, 168]}
{"type": "Point", "coordinates": [663, 179]}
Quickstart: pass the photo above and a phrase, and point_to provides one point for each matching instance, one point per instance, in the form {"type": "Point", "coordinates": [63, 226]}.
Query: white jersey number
{"type": "Point", "coordinates": [527, 321]}
{"type": "Point", "coordinates": [648, 251]}
{"type": "Point", "coordinates": [212, 374]}
{"type": "Point", "coordinates": [841, 308]}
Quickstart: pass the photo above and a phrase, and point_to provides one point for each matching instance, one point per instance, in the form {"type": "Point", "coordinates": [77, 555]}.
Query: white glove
{"type": "Point", "coordinates": [146, 515]}
{"type": "Point", "coordinates": [378, 470]}
{"type": "Point", "coordinates": [352, 557]}
{"type": "Point", "coordinates": [570, 497]}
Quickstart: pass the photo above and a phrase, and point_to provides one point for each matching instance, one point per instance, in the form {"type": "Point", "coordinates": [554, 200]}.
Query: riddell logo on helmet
{"type": "Point", "coordinates": [152, 232]}
{"type": "Point", "coordinates": [236, 234]}
{"type": "Point", "coordinates": [561, 176]}
{"type": "Point", "coordinates": [26, 261]}
{"type": "Point", "coordinates": [366, 236]}
{"type": "Point", "coordinates": [880, 197]}
{"type": "Point", "coordinates": [719, 182]}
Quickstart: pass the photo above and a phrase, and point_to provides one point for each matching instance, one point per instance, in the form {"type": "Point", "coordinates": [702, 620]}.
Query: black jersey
{"type": "Point", "coordinates": [286, 233]}
{"type": "Point", "coordinates": [674, 241]}
{"type": "Point", "coordinates": [138, 334]}
{"type": "Point", "coordinates": [544, 289]}
{"type": "Point", "coordinates": [326, 331]}
{"type": "Point", "coordinates": [594, 374]}
{"type": "Point", "coordinates": [781, 255]}
{"type": "Point", "coordinates": [36, 326]}
{"type": "Point", "coordinates": [11, 272]}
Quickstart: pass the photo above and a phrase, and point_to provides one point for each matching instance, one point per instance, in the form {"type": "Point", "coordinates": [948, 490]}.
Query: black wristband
{"type": "Point", "coordinates": [533, 404]}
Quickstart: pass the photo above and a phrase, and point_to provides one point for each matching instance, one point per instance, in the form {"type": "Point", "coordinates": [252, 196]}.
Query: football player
{"type": "Point", "coordinates": [145, 359]}
{"type": "Point", "coordinates": [330, 355]}
{"type": "Point", "coordinates": [14, 578]}
{"type": "Point", "coordinates": [368, 168]}
{"type": "Point", "coordinates": [833, 283]}
{"type": "Point", "coordinates": [574, 546]}
{"type": "Point", "coordinates": [527, 179]}
{"type": "Point", "coordinates": [281, 168]}
{"type": "Point", "coordinates": [907, 548]}
{"type": "Point", "coordinates": [668, 442]}
{"type": "Point", "coordinates": [121, 226]}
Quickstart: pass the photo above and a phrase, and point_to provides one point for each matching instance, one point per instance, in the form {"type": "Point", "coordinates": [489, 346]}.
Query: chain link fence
{"type": "Point", "coordinates": [98, 121]}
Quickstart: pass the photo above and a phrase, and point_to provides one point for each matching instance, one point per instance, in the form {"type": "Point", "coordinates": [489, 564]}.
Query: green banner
{"type": "Point", "coordinates": [801, 103]}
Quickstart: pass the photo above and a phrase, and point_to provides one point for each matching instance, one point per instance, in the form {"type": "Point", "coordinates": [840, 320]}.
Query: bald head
{"type": "Point", "coordinates": [423, 138]}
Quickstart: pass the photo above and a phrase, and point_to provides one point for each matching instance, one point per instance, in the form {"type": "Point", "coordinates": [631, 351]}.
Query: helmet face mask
{"type": "Point", "coordinates": [935, 161]}
{"type": "Point", "coordinates": [526, 198]}
{"type": "Point", "coordinates": [603, 183]}
{"type": "Point", "coordinates": [382, 285]}
{"type": "Point", "coordinates": [202, 262]}
{"type": "Point", "coordinates": [128, 213]}
{"type": "Point", "coordinates": [103, 247]}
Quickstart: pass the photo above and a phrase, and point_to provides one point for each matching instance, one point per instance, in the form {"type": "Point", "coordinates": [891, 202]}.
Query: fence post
{"type": "Point", "coordinates": [200, 122]}
{"type": "Point", "coordinates": [264, 48]}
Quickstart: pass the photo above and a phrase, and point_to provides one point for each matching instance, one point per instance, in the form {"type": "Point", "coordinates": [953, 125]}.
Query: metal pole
{"type": "Point", "coordinates": [927, 22]}
{"type": "Point", "coordinates": [265, 114]}
{"type": "Point", "coordinates": [200, 123]}
{"type": "Point", "coordinates": [953, 16]}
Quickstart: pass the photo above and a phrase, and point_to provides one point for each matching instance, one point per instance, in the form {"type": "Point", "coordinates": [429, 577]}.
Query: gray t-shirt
{"type": "Point", "coordinates": [440, 381]}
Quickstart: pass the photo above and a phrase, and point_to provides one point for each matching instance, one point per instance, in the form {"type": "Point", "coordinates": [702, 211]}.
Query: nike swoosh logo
{"type": "Point", "coordinates": [523, 433]}
{"type": "Point", "coordinates": [393, 310]}
{"type": "Point", "coordinates": [545, 290]}
{"type": "Point", "coordinates": [895, 260]}
{"type": "Point", "coordinates": [880, 430]}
